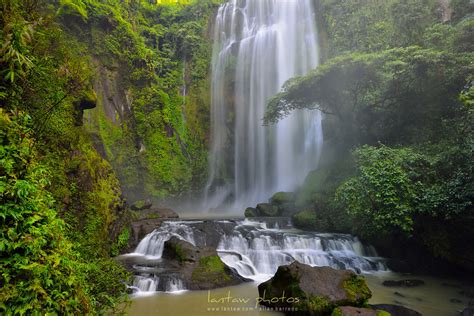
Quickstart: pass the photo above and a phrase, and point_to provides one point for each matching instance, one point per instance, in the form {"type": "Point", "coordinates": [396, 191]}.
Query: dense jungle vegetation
{"type": "Point", "coordinates": [102, 100]}
{"type": "Point", "coordinates": [396, 88]}
{"type": "Point", "coordinates": [92, 105]}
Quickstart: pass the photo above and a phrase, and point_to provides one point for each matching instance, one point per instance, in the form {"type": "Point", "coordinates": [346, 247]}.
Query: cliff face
{"type": "Point", "coordinates": [151, 67]}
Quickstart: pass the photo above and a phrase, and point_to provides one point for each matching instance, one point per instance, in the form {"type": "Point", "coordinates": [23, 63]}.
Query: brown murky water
{"type": "Point", "coordinates": [437, 297]}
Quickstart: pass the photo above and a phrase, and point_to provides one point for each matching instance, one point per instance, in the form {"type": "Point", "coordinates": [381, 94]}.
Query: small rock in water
{"type": "Point", "coordinates": [354, 311]}
{"type": "Point", "coordinates": [403, 283]}
{"type": "Point", "coordinates": [399, 294]}
{"type": "Point", "coordinates": [396, 310]}
{"type": "Point", "coordinates": [455, 300]}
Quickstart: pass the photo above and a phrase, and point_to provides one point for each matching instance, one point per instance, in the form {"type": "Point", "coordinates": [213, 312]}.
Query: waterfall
{"type": "Point", "coordinates": [255, 249]}
{"type": "Point", "coordinates": [258, 45]}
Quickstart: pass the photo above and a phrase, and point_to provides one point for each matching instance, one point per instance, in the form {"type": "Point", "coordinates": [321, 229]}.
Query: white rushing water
{"type": "Point", "coordinates": [255, 249]}
{"type": "Point", "coordinates": [259, 44]}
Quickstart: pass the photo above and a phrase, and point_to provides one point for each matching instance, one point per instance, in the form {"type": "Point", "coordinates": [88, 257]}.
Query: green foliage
{"type": "Point", "coordinates": [59, 174]}
{"type": "Point", "coordinates": [38, 266]}
{"type": "Point", "coordinates": [386, 189]}
{"type": "Point", "coordinates": [366, 25]}
{"type": "Point", "coordinates": [395, 187]}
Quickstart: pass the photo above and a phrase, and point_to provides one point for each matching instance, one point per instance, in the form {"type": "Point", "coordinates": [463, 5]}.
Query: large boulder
{"type": "Point", "coordinates": [199, 268]}
{"type": "Point", "coordinates": [395, 310]}
{"type": "Point", "coordinates": [267, 210]}
{"type": "Point", "coordinates": [180, 250]}
{"type": "Point", "coordinates": [313, 290]}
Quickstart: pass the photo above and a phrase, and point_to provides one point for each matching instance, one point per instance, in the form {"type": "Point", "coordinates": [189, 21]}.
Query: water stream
{"type": "Point", "coordinates": [258, 45]}
{"type": "Point", "coordinates": [255, 248]}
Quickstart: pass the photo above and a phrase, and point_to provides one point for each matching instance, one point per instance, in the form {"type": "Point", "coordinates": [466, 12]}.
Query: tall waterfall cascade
{"type": "Point", "coordinates": [258, 46]}
{"type": "Point", "coordinates": [254, 248]}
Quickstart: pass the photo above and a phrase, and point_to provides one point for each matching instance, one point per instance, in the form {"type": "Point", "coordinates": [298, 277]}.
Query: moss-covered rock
{"type": "Point", "coordinates": [200, 268]}
{"type": "Point", "coordinates": [267, 209]}
{"type": "Point", "coordinates": [280, 198]}
{"type": "Point", "coordinates": [251, 212]}
{"type": "Point", "coordinates": [313, 290]}
{"type": "Point", "coordinates": [210, 269]}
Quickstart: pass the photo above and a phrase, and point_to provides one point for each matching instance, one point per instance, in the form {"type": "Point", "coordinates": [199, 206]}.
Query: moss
{"type": "Point", "coordinates": [210, 269]}
{"type": "Point", "coordinates": [337, 312]}
{"type": "Point", "coordinates": [383, 313]}
{"type": "Point", "coordinates": [357, 290]}
{"type": "Point", "coordinates": [178, 250]}
{"type": "Point", "coordinates": [315, 305]}
{"type": "Point", "coordinates": [305, 219]}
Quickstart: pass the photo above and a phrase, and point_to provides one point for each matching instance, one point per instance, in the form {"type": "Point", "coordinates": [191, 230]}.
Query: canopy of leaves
{"type": "Point", "coordinates": [395, 96]}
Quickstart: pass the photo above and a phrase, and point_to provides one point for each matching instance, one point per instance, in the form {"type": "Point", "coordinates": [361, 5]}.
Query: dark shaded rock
{"type": "Point", "coordinates": [468, 311]}
{"type": "Point", "coordinates": [87, 101]}
{"type": "Point", "coordinates": [395, 310]}
{"type": "Point", "coordinates": [251, 212]}
{"type": "Point", "coordinates": [267, 209]}
{"type": "Point", "coordinates": [403, 283]}
{"type": "Point", "coordinates": [313, 290]}
{"type": "Point", "coordinates": [397, 265]}
{"type": "Point", "coordinates": [145, 222]}
{"type": "Point", "coordinates": [141, 205]}
{"type": "Point", "coordinates": [281, 198]}
{"type": "Point", "coordinates": [141, 228]}
{"type": "Point", "coordinates": [354, 311]}
{"type": "Point", "coordinates": [182, 251]}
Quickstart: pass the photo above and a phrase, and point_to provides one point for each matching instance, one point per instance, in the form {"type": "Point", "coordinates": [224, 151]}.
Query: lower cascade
{"type": "Point", "coordinates": [253, 248]}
